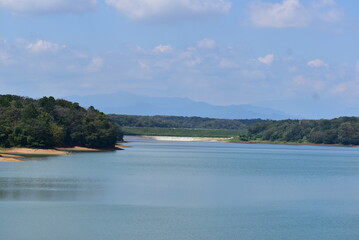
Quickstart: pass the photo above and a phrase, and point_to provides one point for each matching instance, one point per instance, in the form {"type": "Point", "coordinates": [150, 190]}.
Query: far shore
{"type": "Point", "coordinates": [209, 139]}
{"type": "Point", "coordinates": [178, 139]}
{"type": "Point", "coordinates": [293, 143]}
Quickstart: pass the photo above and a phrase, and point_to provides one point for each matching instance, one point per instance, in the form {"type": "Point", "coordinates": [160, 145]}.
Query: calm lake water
{"type": "Point", "coordinates": [183, 191]}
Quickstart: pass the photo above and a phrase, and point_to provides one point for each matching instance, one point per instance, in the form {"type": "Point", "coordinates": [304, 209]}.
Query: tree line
{"type": "Point", "coordinates": [181, 122]}
{"type": "Point", "coordinates": [49, 122]}
{"type": "Point", "coordinates": [343, 130]}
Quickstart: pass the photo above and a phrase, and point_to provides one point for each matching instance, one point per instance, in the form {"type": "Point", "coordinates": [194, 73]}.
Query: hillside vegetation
{"type": "Point", "coordinates": [181, 132]}
{"type": "Point", "coordinates": [343, 130]}
{"type": "Point", "coordinates": [181, 122]}
{"type": "Point", "coordinates": [49, 122]}
{"type": "Point", "coordinates": [181, 126]}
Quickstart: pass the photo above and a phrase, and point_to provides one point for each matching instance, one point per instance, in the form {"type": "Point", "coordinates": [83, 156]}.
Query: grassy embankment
{"type": "Point", "coordinates": [238, 139]}
{"type": "Point", "coordinates": [180, 132]}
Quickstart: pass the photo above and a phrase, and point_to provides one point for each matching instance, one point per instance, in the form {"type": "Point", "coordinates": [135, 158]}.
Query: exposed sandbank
{"type": "Point", "coordinates": [9, 158]}
{"type": "Point", "coordinates": [178, 139]}
{"type": "Point", "coordinates": [123, 146]}
{"type": "Point", "coordinates": [13, 154]}
{"type": "Point", "coordinates": [206, 139]}
{"type": "Point", "coordinates": [86, 149]}
{"type": "Point", "coordinates": [4, 159]}
{"type": "Point", "coordinates": [32, 151]}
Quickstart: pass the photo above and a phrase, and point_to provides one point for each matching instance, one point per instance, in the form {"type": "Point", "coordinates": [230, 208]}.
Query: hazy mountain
{"type": "Point", "coordinates": [313, 108]}
{"type": "Point", "coordinates": [128, 103]}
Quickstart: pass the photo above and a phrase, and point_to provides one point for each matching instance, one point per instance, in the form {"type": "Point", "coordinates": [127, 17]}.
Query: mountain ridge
{"type": "Point", "coordinates": [133, 104]}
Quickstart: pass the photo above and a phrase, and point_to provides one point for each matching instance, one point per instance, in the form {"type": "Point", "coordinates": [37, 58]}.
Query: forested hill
{"type": "Point", "coordinates": [181, 122]}
{"type": "Point", "coordinates": [343, 130]}
{"type": "Point", "coordinates": [49, 122]}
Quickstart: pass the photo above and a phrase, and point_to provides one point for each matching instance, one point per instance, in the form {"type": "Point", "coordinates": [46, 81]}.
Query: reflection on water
{"type": "Point", "coordinates": [188, 174]}
{"type": "Point", "coordinates": [46, 189]}
{"type": "Point", "coordinates": [184, 191]}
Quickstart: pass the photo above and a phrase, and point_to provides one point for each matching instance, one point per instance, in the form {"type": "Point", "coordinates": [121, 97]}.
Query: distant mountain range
{"type": "Point", "coordinates": [314, 108]}
{"type": "Point", "coordinates": [132, 104]}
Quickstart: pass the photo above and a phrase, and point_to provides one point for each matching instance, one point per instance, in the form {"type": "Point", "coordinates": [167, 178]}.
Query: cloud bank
{"type": "Point", "coordinates": [44, 46]}
{"type": "Point", "coordinates": [292, 13]}
{"type": "Point", "coordinates": [200, 71]}
{"type": "Point", "coordinates": [159, 10]}
{"type": "Point", "coordinates": [268, 59]}
{"type": "Point", "coordinates": [25, 7]}
{"type": "Point", "coordinates": [316, 63]}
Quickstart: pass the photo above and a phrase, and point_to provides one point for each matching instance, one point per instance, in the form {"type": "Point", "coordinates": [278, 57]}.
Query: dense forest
{"type": "Point", "coordinates": [181, 132]}
{"type": "Point", "coordinates": [181, 122]}
{"type": "Point", "coordinates": [50, 122]}
{"type": "Point", "coordinates": [343, 130]}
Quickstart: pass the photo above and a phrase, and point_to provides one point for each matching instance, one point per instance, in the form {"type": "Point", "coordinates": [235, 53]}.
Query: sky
{"type": "Point", "coordinates": [291, 55]}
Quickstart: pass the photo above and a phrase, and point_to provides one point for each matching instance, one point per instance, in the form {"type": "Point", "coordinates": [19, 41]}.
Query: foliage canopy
{"type": "Point", "coordinates": [50, 122]}
{"type": "Point", "coordinates": [343, 130]}
{"type": "Point", "coordinates": [180, 122]}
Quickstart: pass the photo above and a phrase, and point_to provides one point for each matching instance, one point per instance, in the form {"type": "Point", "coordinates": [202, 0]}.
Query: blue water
{"type": "Point", "coordinates": [184, 190]}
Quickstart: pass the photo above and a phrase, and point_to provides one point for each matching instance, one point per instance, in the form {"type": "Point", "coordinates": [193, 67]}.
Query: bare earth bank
{"type": "Point", "coordinates": [10, 158]}
{"type": "Point", "coordinates": [32, 151]}
{"type": "Point", "coordinates": [180, 139]}
{"type": "Point", "coordinates": [16, 154]}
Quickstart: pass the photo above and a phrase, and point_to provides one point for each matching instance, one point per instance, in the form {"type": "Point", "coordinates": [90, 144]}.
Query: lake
{"type": "Point", "coordinates": [184, 190]}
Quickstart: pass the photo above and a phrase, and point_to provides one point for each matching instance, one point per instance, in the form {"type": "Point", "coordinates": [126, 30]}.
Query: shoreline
{"type": "Point", "coordinates": [225, 140]}
{"type": "Point", "coordinates": [32, 151]}
{"type": "Point", "coordinates": [86, 149]}
{"type": "Point", "coordinates": [10, 158]}
{"type": "Point", "coordinates": [292, 143]}
{"type": "Point", "coordinates": [17, 154]}
{"type": "Point", "coordinates": [175, 139]}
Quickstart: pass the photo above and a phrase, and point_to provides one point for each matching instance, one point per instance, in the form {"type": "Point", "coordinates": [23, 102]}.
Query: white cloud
{"type": "Point", "coordinates": [225, 70]}
{"type": "Point", "coordinates": [4, 57]}
{"type": "Point", "coordinates": [268, 59]}
{"type": "Point", "coordinates": [206, 43]}
{"type": "Point", "coordinates": [301, 81]}
{"type": "Point", "coordinates": [170, 9]}
{"type": "Point", "coordinates": [289, 13]}
{"type": "Point", "coordinates": [316, 63]}
{"type": "Point", "coordinates": [47, 6]}
{"type": "Point", "coordinates": [225, 63]}
{"type": "Point", "coordinates": [162, 48]}
{"type": "Point", "coordinates": [345, 88]}
{"type": "Point", "coordinates": [44, 46]}
{"type": "Point", "coordinates": [327, 11]}
{"type": "Point", "coordinates": [292, 13]}
{"type": "Point", "coordinates": [194, 62]}
{"type": "Point", "coordinates": [95, 65]}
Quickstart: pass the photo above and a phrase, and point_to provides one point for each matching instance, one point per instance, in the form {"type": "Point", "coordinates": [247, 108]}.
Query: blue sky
{"type": "Point", "coordinates": [291, 55]}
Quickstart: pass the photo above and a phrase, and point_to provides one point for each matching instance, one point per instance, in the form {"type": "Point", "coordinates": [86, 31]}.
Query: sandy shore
{"type": "Point", "coordinates": [123, 146]}
{"type": "Point", "coordinates": [178, 139]}
{"type": "Point", "coordinates": [15, 154]}
{"type": "Point", "coordinates": [3, 159]}
{"type": "Point", "coordinates": [10, 158]}
{"type": "Point", "coordinates": [31, 151]}
{"type": "Point", "coordinates": [85, 149]}
{"type": "Point", "coordinates": [78, 149]}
